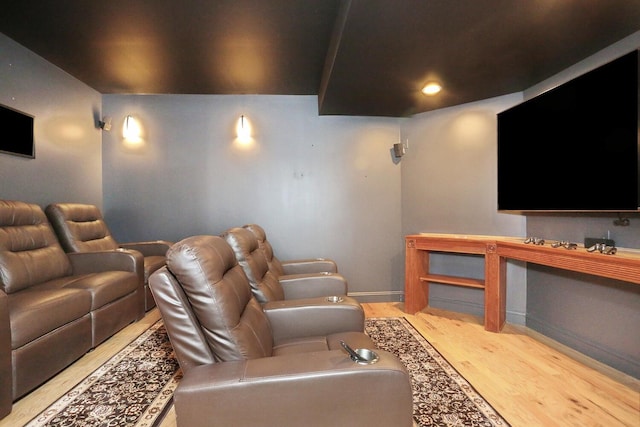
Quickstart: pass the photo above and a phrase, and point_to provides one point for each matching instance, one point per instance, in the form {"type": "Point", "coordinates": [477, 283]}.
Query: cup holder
{"type": "Point", "coordinates": [362, 356]}
{"type": "Point", "coordinates": [366, 356]}
{"type": "Point", "coordinates": [335, 299]}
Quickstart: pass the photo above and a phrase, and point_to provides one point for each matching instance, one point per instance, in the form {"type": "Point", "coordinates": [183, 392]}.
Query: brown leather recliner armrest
{"type": "Point", "coordinates": [98, 261]}
{"type": "Point", "coordinates": [310, 265]}
{"type": "Point", "coordinates": [151, 248]}
{"type": "Point", "coordinates": [316, 389]}
{"type": "Point", "coordinates": [6, 377]}
{"type": "Point", "coordinates": [313, 316]}
{"type": "Point", "coordinates": [312, 285]}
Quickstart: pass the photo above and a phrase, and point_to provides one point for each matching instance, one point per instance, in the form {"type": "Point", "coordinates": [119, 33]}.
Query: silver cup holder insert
{"type": "Point", "coordinates": [335, 299]}
{"type": "Point", "coordinates": [366, 356]}
{"type": "Point", "coordinates": [362, 356]}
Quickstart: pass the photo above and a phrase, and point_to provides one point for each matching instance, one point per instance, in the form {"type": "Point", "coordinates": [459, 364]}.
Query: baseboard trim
{"type": "Point", "coordinates": [475, 309]}
{"type": "Point", "coordinates": [378, 296]}
{"type": "Point", "coordinates": [584, 346]}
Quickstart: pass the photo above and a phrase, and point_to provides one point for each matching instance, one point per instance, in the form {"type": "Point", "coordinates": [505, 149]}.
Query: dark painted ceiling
{"type": "Point", "coordinates": [361, 57]}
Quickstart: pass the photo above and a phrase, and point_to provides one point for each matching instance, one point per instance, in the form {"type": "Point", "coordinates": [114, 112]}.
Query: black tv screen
{"type": "Point", "coordinates": [17, 133]}
{"type": "Point", "coordinates": [574, 147]}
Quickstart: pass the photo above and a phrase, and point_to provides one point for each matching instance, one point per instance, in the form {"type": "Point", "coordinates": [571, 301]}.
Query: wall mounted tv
{"type": "Point", "coordinates": [574, 148]}
{"type": "Point", "coordinates": [16, 133]}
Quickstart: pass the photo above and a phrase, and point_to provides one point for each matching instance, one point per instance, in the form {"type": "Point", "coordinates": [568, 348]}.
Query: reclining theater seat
{"type": "Point", "coordinates": [237, 372]}
{"type": "Point", "coordinates": [293, 266]}
{"type": "Point", "coordinates": [54, 306]}
{"type": "Point", "coordinates": [267, 284]}
{"type": "Point", "coordinates": [81, 228]}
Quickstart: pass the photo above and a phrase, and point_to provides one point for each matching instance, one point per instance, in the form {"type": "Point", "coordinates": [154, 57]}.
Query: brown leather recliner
{"type": "Point", "coordinates": [266, 282]}
{"type": "Point", "coordinates": [81, 228]}
{"type": "Point", "coordinates": [291, 266]}
{"type": "Point", "coordinates": [241, 368]}
{"type": "Point", "coordinates": [55, 306]}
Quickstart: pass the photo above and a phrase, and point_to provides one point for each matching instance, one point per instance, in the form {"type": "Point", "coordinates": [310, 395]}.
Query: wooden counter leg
{"type": "Point", "coordinates": [495, 292]}
{"type": "Point", "coordinates": [416, 292]}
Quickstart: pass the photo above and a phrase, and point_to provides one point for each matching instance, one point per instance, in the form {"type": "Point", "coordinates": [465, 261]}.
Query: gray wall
{"type": "Point", "coordinates": [320, 186]}
{"type": "Point", "coordinates": [449, 186]}
{"type": "Point", "coordinates": [68, 162]}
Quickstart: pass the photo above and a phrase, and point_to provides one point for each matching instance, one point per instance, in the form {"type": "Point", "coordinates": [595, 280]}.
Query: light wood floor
{"type": "Point", "coordinates": [531, 380]}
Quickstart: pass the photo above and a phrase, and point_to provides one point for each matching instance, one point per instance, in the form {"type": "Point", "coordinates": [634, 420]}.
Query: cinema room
{"type": "Point", "coordinates": [320, 213]}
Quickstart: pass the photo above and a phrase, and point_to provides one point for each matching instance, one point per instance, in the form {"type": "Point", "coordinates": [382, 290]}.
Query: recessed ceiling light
{"type": "Point", "coordinates": [431, 88]}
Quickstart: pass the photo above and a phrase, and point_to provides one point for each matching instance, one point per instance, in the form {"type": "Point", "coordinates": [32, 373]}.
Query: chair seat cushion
{"type": "Point", "coordinates": [42, 309]}
{"type": "Point", "coordinates": [106, 287]}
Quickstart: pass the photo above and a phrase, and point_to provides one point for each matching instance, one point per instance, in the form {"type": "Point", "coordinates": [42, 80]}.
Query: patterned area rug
{"type": "Point", "coordinates": [133, 389]}
{"type": "Point", "coordinates": [441, 396]}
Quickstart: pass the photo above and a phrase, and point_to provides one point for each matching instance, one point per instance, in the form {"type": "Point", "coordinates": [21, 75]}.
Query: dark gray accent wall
{"type": "Point", "coordinates": [596, 316]}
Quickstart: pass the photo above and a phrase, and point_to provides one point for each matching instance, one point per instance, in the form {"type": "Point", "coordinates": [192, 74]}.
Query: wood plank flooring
{"type": "Point", "coordinates": [530, 379]}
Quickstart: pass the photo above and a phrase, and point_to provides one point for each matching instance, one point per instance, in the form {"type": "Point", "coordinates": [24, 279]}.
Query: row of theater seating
{"type": "Point", "coordinates": [258, 348]}
{"type": "Point", "coordinates": [286, 293]}
{"type": "Point", "coordinates": [55, 306]}
{"type": "Point", "coordinates": [82, 228]}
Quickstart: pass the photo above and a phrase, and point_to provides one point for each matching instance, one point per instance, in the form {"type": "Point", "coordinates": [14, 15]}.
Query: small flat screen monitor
{"type": "Point", "coordinates": [17, 133]}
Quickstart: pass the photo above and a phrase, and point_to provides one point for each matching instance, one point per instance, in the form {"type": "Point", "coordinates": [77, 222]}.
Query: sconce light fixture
{"type": "Point", "coordinates": [131, 130]}
{"type": "Point", "coordinates": [243, 129]}
{"type": "Point", "coordinates": [105, 123]}
{"type": "Point", "coordinates": [431, 88]}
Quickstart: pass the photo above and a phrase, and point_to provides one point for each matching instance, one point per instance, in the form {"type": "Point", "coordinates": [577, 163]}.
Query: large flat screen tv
{"type": "Point", "coordinates": [574, 147]}
{"type": "Point", "coordinates": [16, 133]}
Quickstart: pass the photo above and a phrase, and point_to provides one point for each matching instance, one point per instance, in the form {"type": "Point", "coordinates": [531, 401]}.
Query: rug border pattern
{"type": "Point", "coordinates": [162, 402]}
{"type": "Point", "coordinates": [148, 418]}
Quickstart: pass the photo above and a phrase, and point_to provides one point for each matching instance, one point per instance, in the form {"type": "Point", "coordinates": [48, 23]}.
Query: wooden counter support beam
{"type": "Point", "coordinates": [625, 265]}
{"type": "Point", "coordinates": [495, 293]}
{"type": "Point", "coordinates": [416, 266]}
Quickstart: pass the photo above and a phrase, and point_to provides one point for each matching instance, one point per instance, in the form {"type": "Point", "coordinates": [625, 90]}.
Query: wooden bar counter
{"type": "Point", "coordinates": [624, 265]}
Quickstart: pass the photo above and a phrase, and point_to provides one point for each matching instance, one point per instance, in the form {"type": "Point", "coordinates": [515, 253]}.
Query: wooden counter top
{"type": "Point", "coordinates": [624, 265]}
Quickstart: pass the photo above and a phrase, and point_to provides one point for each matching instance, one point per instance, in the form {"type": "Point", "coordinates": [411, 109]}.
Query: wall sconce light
{"type": "Point", "coordinates": [105, 123]}
{"type": "Point", "coordinates": [243, 129]}
{"type": "Point", "coordinates": [132, 130]}
{"type": "Point", "coordinates": [431, 88]}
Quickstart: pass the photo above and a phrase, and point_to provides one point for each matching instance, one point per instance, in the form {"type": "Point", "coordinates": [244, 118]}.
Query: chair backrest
{"type": "Point", "coordinates": [264, 281]}
{"type": "Point", "coordinates": [187, 339]}
{"type": "Point", "coordinates": [30, 253]}
{"type": "Point", "coordinates": [218, 292]}
{"type": "Point", "coordinates": [80, 227]}
{"type": "Point", "coordinates": [274, 262]}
